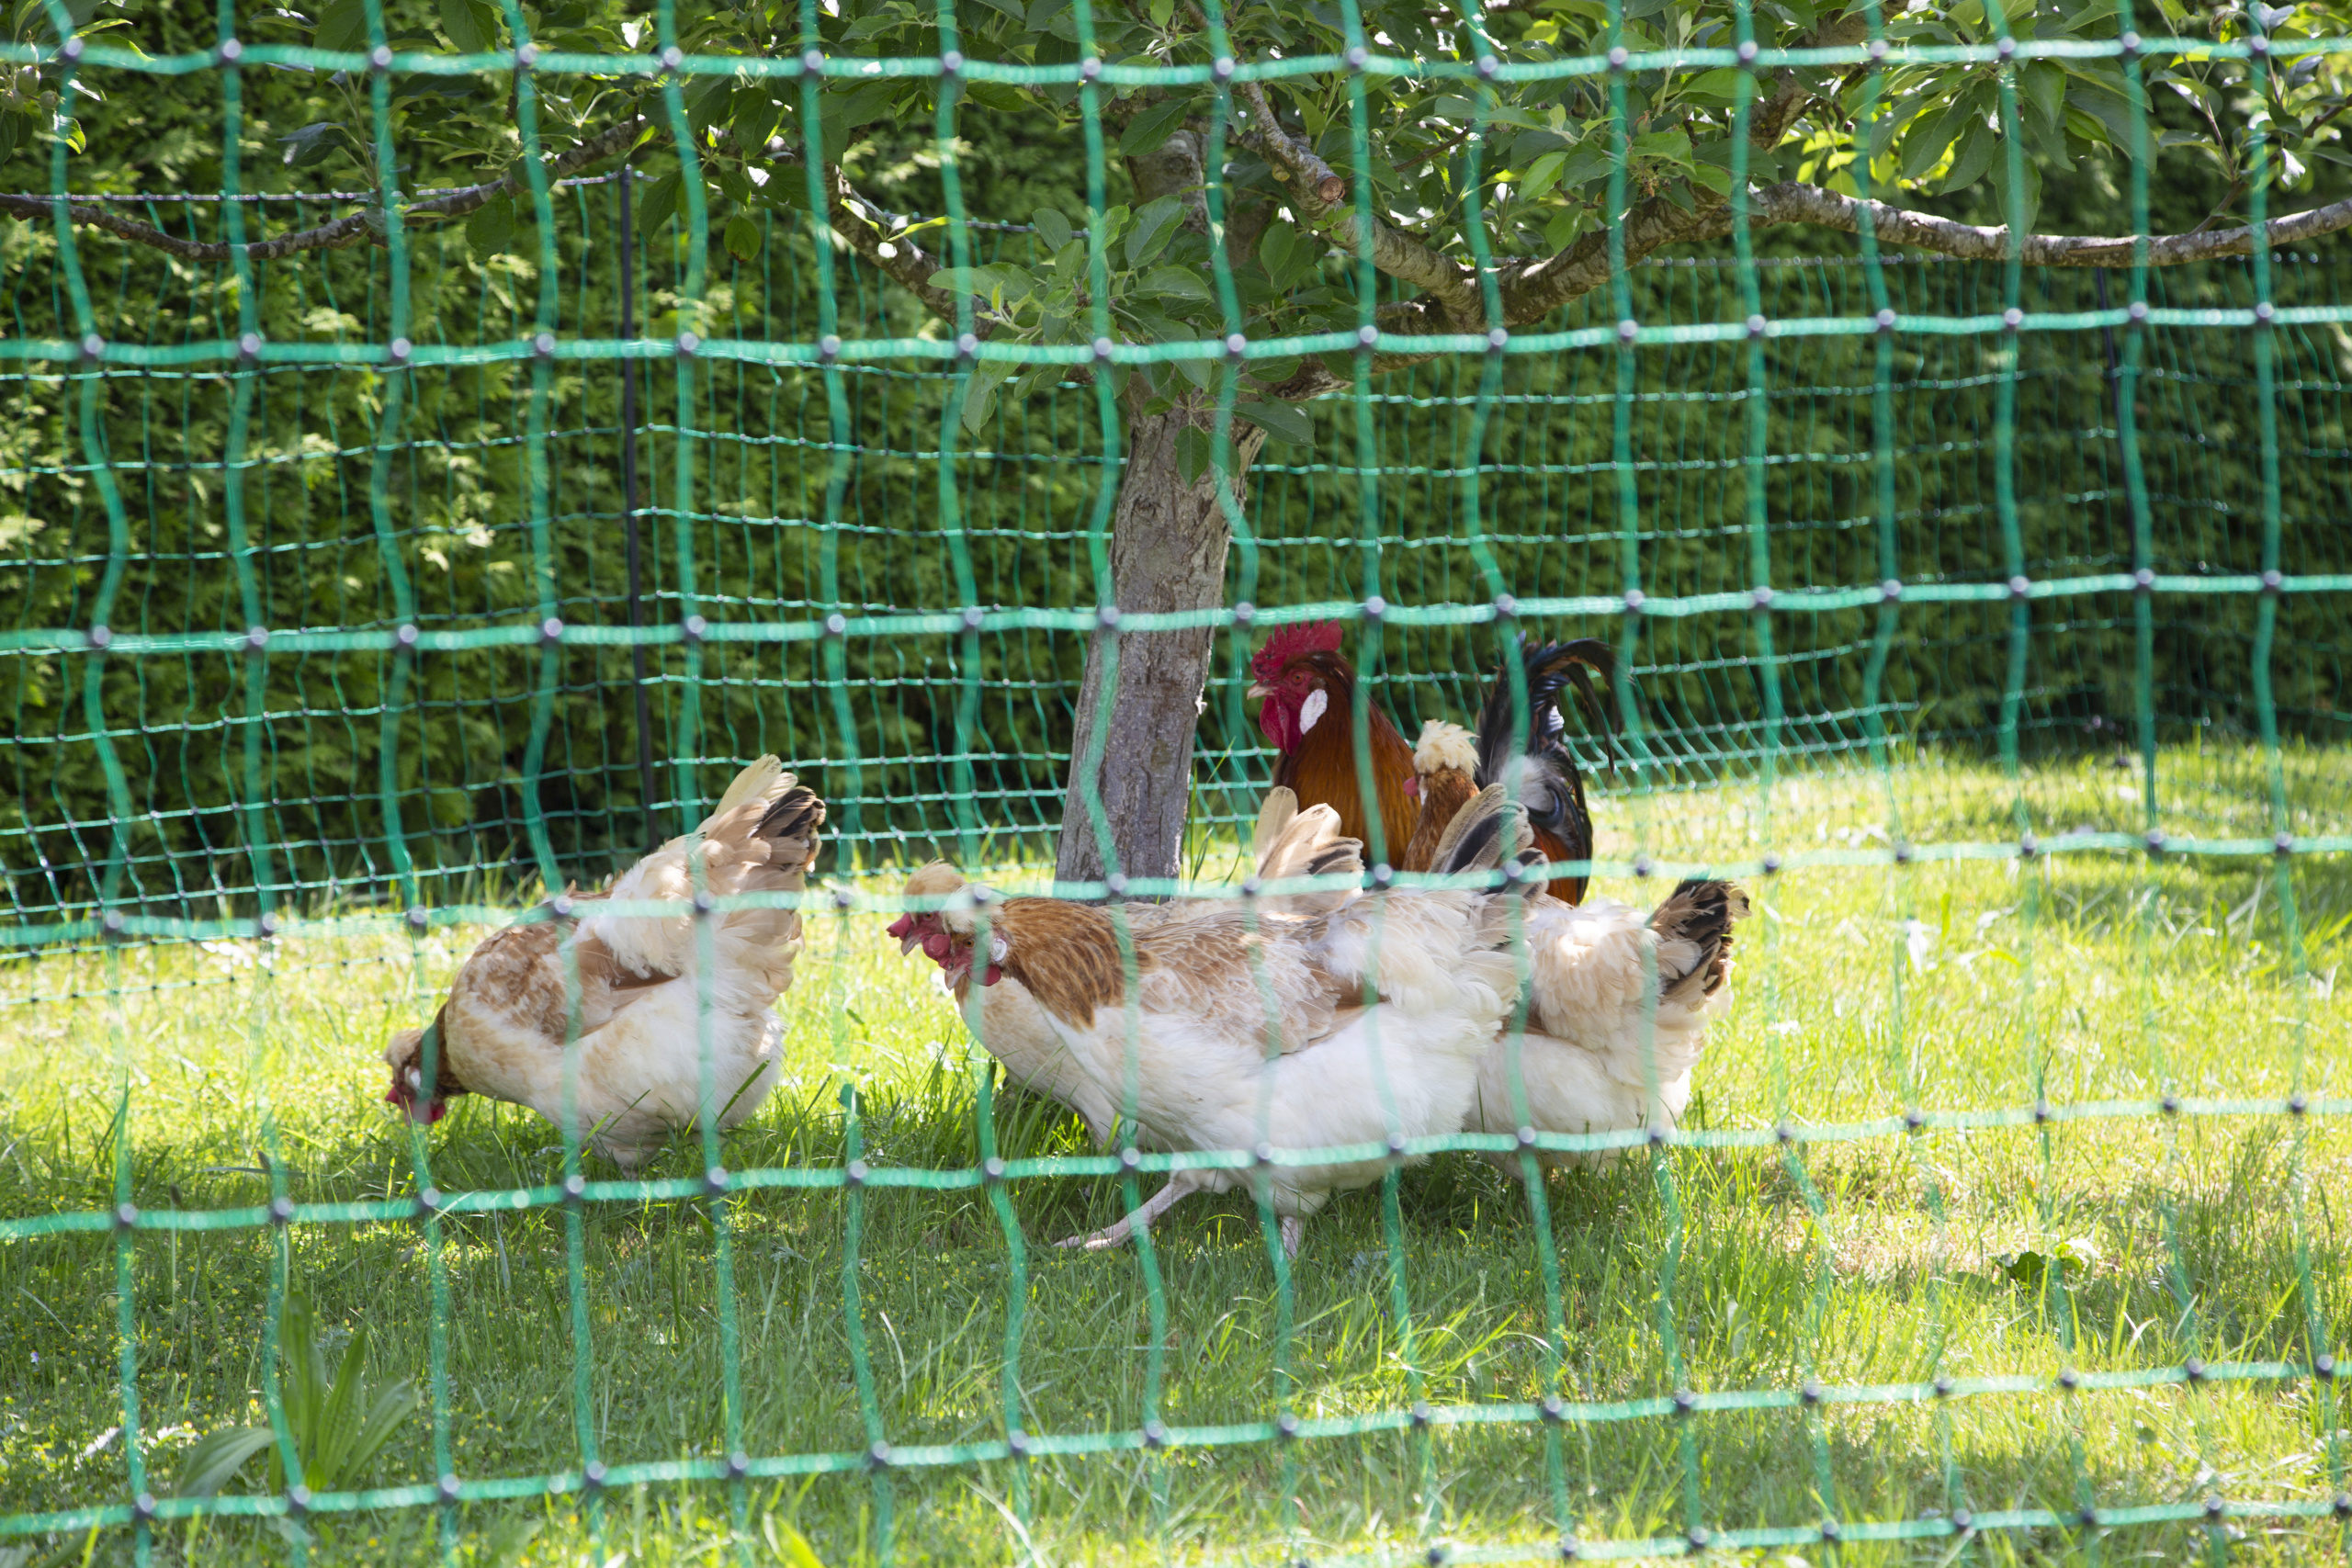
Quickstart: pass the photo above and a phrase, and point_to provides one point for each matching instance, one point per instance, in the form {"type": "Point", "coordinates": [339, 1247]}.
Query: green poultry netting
{"type": "Point", "coordinates": [762, 547]}
{"type": "Point", "coordinates": [365, 592]}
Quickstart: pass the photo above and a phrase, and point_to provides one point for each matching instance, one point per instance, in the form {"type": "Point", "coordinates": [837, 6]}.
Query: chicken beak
{"type": "Point", "coordinates": [903, 928]}
{"type": "Point", "coordinates": [1257, 692]}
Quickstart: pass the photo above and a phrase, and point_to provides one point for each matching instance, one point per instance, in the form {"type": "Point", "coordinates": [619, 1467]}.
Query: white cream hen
{"type": "Point", "coordinates": [663, 1043]}
{"type": "Point", "coordinates": [1600, 1054]}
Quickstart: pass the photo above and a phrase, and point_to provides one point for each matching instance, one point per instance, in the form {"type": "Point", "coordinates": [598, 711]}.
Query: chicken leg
{"type": "Point", "coordinates": [1153, 1207]}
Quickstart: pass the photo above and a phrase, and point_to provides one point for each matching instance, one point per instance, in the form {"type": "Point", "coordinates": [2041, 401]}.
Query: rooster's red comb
{"type": "Point", "coordinates": [1289, 642]}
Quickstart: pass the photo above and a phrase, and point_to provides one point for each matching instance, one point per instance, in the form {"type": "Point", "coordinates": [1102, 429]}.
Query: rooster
{"type": "Point", "coordinates": [1533, 763]}
{"type": "Point", "coordinates": [662, 1042]}
{"type": "Point", "coordinates": [1305, 690]}
{"type": "Point", "coordinates": [1013, 1028]}
{"type": "Point", "coordinates": [1612, 1035]}
{"type": "Point", "coordinates": [1353, 1018]}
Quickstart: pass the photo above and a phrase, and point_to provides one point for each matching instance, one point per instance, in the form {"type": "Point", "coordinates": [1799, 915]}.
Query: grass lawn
{"type": "Point", "coordinates": [1965, 985]}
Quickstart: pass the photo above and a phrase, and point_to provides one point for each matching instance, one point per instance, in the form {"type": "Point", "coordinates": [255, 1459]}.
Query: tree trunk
{"type": "Point", "coordinates": [1167, 545]}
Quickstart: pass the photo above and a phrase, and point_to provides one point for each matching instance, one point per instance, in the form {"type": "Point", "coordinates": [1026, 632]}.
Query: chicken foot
{"type": "Point", "coordinates": [1294, 1227]}
{"type": "Point", "coordinates": [1153, 1207]}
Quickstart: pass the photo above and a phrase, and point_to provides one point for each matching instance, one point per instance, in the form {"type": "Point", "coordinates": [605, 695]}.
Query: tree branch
{"type": "Point", "coordinates": [342, 232]}
{"type": "Point", "coordinates": [1533, 291]}
{"type": "Point", "coordinates": [903, 260]}
{"type": "Point", "coordinates": [1790, 89]}
{"type": "Point", "coordinates": [1810, 204]}
{"type": "Point", "coordinates": [1320, 198]}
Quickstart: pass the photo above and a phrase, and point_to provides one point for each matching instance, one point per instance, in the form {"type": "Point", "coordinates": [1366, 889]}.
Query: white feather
{"type": "Point", "coordinates": [1445, 745]}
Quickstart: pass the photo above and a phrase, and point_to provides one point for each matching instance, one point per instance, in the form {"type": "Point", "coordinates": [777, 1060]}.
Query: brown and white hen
{"type": "Point", "coordinates": [1288, 844]}
{"type": "Point", "coordinates": [1360, 1023]}
{"type": "Point", "coordinates": [662, 1040]}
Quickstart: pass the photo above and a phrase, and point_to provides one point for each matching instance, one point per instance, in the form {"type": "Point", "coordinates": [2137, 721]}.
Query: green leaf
{"type": "Point", "coordinates": [2024, 1267]}
{"type": "Point", "coordinates": [876, 100]}
{"type": "Point", "coordinates": [1003, 279]}
{"type": "Point", "coordinates": [1155, 226]}
{"type": "Point", "coordinates": [1276, 247]}
{"type": "Point", "coordinates": [1674, 146]}
{"type": "Point", "coordinates": [1272, 372]}
{"type": "Point", "coordinates": [1926, 141]}
{"type": "Point", "coordinates": [1283, 422]}
{"type": "Point", "coordinates": [1193, 448]}
{"type": "Point", "coordinates": [2045, 93]}
{"type": "Point", "coordinates": [2030, 189]}
{"type": "Point", "coordinates": [217, 1458]}
{"type": "Point", "coordinates": [1015, 281]}
{"type": "Point", "coordinates": [328, 1467]}
{"type": "Point", "coordinates": [708, 100]}
{"type": "Point", "coordinates": [979, 393]}
{"type": "Point", "coordinates": [1716, 87]}
{"type": "Point", "coordinates": [1585, 163]}
{"type": "Point", "coordinates": [312, 145]}
{"type": "Point", "coordinates": [385, 1413]}
{"type": "Point", "coordinates": [1542, 175]}
{"type": "Point", "coordinates": [1154, 126]}
{"type": "Point", "coordinates": [343, 26]}
{"type": "Point", "coordinates": [472, 27]}
{"type": "Point", "coordinates": [1053, 228]}
{"type": "Point", "coordinates": [1177, 283]}
{"type": "Point", "coordinates": [303, 1393]}
{"type": "Point", "coordinates": [789, 1545]}
{"type": "Point", "coordinates": [1713, 176]}
{"type": "Point", "coordinates": [752, 115]}
{"type": "Point", "coordinates": [491, 226]}
{"type": "Point", "coordinates": [1976, 155]}
{"type": "Point", "coordinates": [996, 95]}
{"type": "Point", "coordinates": [1111, 225]}
{"type": "Point", "coordinates": [2110, 108]}
{"type": "Point", "coordinates": [741, 238]}
{"type": "Point", "coordinates": [658, 205]}
{"type": "Point", "coordinates": [2091, 131]}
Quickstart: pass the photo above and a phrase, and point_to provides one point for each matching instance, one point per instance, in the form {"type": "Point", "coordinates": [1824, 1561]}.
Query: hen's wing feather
{"type": "Point", "coordinates": [1308, 843]}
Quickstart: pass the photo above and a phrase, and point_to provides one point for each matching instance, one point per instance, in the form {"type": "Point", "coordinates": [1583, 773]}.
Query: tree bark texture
{"type": "Point", "coordinates": [1168, 548]}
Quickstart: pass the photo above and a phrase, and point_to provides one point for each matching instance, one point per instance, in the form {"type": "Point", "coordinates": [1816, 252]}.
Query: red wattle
{"type": "Point", "coordinates": [995, 973]}
{"type": "Point", "coordinates": [436, 1110]}
{"type": "Point", "coordinates": [1413, 787]}
{"type": "Point", "coordinates": [1270, 721]}
{"type": "Point", "coordinates": [938, 945]}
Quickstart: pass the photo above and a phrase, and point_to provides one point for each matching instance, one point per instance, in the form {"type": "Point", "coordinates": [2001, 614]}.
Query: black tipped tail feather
{"type": "Point", "coordinates": [789, 828]}
{"type": "Point", "coordinates": [1694, 929]}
